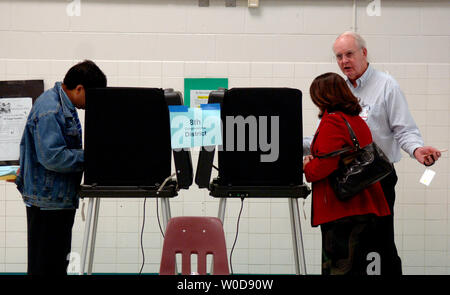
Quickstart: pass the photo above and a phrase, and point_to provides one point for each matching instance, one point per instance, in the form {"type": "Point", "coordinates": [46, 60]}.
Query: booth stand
{"type": "Point", "coordinates": [96, 193]}
{"type": "Point", "coordinates": [246, 172]}
{"type": "Point", "coordinates": [291, 193]}
{"type": "Point", "coordinates": [128, 153]}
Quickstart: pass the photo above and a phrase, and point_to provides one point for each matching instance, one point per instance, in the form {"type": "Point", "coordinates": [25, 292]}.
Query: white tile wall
{"type": "Point", "coordinates": [282, 43]}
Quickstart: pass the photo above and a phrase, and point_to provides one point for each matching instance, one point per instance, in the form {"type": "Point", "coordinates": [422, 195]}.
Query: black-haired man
{"type": "Point", "coordinates": [51, 166]}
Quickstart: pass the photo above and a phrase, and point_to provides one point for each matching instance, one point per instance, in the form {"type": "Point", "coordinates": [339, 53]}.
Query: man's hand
{"type": "Point", "coordinates": [427, 155]}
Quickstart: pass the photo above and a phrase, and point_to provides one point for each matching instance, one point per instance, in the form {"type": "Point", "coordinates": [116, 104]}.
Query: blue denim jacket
{"type": "Point", "coordinates": [51, 155]}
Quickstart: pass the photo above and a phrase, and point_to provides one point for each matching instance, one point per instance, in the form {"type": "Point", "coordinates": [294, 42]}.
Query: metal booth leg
{"type": "Point", "coordinates": [87, 229]}
{"type": "Point", "coordinates": [94, 235]}
{"type": "Point", "coordinates": [166, 214]}
{"type": "Point", "coordinates": [299, 254]}
{"type": "Point", "coordinates": [221, 216]}
{"type": "Point", "coordinates": [222, 206]}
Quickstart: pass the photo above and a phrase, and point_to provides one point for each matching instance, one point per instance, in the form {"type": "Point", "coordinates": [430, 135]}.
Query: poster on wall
{"type": "Point", "coordinates": [196, 90]}
{"type": "Point", "coordinates": [16, 99]}
{"type": "Point", "coordinates": [13, 117]}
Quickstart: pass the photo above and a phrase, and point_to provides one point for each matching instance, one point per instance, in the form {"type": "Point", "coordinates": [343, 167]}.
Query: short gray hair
{"type": "Point", "coordinates": [359, 40]}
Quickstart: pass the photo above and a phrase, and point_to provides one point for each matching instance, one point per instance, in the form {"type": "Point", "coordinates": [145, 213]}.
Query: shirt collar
{"type": "Point", "coordinates": [361, 81]}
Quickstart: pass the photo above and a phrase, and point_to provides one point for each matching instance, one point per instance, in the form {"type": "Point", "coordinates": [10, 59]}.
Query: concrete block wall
{"type": "Point", "coordinates": [282, 43]}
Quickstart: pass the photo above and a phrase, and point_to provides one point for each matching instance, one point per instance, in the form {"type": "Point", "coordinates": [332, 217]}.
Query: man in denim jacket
{"type": "Point", "coordinates": [51, 167]}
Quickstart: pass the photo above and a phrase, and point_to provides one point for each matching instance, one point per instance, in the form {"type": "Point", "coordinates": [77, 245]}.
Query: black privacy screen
{"type": "Point", "coordinates": [127, 137]}
{"type": "Point", "coordinates": [277, 160]}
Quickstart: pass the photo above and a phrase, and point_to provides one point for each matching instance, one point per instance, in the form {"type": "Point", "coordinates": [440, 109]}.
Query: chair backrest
{"type": "Point", "coordinates": [194, 235]}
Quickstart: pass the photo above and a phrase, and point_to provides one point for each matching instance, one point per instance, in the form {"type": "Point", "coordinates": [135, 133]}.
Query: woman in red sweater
{"type": "Point", "coordinates": [351, 242]}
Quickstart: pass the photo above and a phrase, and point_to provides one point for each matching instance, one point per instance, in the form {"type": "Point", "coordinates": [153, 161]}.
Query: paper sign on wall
{"type": "Point", "coordinates": [196, 90]}
{"type": "Point", "coordinates": [13, 117]}
{"type": "Point", "coordinates": [191, 127]}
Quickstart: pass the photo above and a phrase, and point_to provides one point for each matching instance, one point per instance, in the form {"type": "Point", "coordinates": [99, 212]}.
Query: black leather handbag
{"type": "Point", "coordinates": [358, 167]}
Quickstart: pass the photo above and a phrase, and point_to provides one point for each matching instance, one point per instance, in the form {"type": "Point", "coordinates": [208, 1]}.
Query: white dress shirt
{"type": "Point", "coordinates": [386, 112]}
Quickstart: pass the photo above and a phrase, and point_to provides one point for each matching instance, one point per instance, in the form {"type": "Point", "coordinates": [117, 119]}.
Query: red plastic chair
{"type": "Point", "coordinates": [194, 235]}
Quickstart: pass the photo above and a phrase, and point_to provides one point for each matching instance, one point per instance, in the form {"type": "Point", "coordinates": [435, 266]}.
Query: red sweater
{"type": "Point", "coordinates": [332, 134]}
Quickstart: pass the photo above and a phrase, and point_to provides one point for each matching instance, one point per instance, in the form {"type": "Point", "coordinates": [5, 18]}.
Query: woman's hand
{"type": "Point", "coordinates": [306, 160]}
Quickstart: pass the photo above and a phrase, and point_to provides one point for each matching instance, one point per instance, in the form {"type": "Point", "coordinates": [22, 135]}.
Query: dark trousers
{"type": "Point", "coordinates": [349, 243]}
{"type": "Point", "coordinates": [353, 245]}
{"type": "Point", "coordinates": [390, 260]}
{"type": "Point", "coordinates": [49, 240]}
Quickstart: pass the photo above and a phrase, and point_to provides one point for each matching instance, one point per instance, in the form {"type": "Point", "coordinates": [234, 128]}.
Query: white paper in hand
{"type": "Point", "coordinates": [427, 177]}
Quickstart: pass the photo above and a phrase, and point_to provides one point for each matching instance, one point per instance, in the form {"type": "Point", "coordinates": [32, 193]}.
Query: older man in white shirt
{"type": "Point", "coordinates": [386, 112]}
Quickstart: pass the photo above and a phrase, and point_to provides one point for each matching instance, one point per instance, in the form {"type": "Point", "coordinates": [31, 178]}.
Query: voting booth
{"type": "Point", "coordinates": [128, 152]}
{"type": "Point", "coordinates": [261, 155]}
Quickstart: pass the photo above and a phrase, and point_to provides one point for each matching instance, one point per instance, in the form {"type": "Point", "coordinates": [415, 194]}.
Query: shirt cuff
{"type": "Point", "coordinates": [411, 150]}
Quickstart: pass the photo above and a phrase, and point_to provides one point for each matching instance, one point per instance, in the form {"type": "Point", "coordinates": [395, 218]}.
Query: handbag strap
{"type": "Point", "coordinates": [355, 142]}
{"type": "Point", "coordinates": [352, 134]}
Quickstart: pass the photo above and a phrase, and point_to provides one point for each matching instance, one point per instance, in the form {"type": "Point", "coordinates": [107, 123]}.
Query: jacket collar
{"type": "Point", "coordinates": [67, 106]}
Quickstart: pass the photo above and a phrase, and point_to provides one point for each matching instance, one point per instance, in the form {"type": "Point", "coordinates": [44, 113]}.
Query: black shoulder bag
{"type": "Point", "coordinates": [358, 167]}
